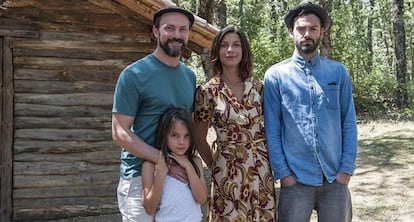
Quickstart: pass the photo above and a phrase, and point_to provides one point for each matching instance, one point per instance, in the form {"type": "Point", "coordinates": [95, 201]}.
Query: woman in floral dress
{"type": "Point", "coordinates": [231, 102]}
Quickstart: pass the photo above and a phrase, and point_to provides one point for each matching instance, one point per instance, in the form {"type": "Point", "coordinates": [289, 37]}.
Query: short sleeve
{"type": "Point", "coordinates": [204, 103]}
{"type": "Point", "coordinates": [127, 95]}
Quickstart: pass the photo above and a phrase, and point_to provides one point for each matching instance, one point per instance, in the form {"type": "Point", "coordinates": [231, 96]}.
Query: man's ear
{"type": "Point", "coordinates": [322, 32]}
{"type": "Point", "coordinates": [155, 31]}
{"type": "Point", "coordinates": [291, 32]}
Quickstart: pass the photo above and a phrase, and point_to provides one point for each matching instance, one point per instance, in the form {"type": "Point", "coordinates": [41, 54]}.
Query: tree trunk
{"type": "Point", "coordinates": [220, 13]}
{"type": "Point", "coordinates": [369, 39]}
{"type": "Point", "coordinates": [241, 13]}
{"type": "Point", "coordinates": [399, 52]}
{"type": "Point", "coordinates": [205, 11]}
{"type": "Point", "coordinates": [412, 60]}
{"type": "Point", "coordinates": [326, 46]}
{"type": "Point", "coordinates": [411, 57]}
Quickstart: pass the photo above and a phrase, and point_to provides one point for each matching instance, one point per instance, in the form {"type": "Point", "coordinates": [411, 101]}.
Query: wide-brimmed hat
{"type": "Point", "coordinates": [306, 7]}
{"type": "Point", "coordinates": [174, 8]}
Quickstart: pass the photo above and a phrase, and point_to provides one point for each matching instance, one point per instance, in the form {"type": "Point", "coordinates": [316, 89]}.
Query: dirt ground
{"type": "Point", "coordinates": [382, 187]}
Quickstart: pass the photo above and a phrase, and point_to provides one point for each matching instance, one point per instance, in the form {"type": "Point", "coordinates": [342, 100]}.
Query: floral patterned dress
{"type": "Point", "coordinates": [241, 179]}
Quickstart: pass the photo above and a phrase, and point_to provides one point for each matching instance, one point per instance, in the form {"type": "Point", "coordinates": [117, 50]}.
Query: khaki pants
{"type": "Point", "coordinates": [130, 200]}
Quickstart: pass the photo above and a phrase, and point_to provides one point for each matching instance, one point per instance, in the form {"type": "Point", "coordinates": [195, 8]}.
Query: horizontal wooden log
{"type": "Point", "coordinates": [62, 202]}
{"type": "Point", "coordinates": [67, 168]}
{"type": "Point", "coordinates": [102, 217]}
{"type": "Point", "coordinates": [87, 73]}
{"type": "Point", "coordinates": [17, 28]}
{"type": "Point", "coordinates": [63, 134]}
{"type": "Point", "coordinates": [107, 190]}
{"type": "Point", "coordinates": [81, 54]}
{"type": "Point", "coordinates": [74, 99]}
{"type": "Point", "coordinates": [83, 45]}
{"type": "Point", "coordinates": [61, 147]}
{"type": "Point", "coordinates": [5, 31]}
{"type": "Point", "coordinates": [62, 87]}
{"type": "Point", "coordinates": [50, 203]}
{"type": "Point", "coordinates": [50, 4]}
{"type": "Point", "coordinates": [7, 23]}
{"type": "Point", "coordinates": [87, 28]}
{"type": "Point", "coordinates": [39, 62]}
{"type": "Point", "coordinates": [66, 211]}
{"type": "Point", "coordinates": [108, 156]}
{"type": "Point", "coordinates": [135, 37]}
{"type": "Point", "coordinates": [103, 122]}
{"type": "Point", "coordinates": [39, 110]}
{"type": "Point", "coordinates": [71, 15]}
{"type": "Point", "coordinates": [26, 181]}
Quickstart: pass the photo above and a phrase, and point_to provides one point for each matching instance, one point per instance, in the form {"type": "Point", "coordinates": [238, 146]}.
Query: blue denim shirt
{"type": "Point", "coordinates": [310, 119]}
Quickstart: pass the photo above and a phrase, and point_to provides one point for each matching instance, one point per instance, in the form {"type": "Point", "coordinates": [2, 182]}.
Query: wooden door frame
{"type": "Point", "coordinates": [6, 129]}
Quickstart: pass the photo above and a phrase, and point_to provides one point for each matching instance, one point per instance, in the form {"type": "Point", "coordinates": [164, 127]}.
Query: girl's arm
{"type": "Point", "coordinates": [198, 186]}
{"type": "Point", "coordinates": [152, 183]}
{"type": "Point", "coordinates": [197, 183]}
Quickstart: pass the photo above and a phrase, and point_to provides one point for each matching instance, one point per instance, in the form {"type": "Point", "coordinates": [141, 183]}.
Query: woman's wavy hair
{"type": "Point", "coordinates": [164, 128]}
{"type": "Point", "coordinates": [246, 63]}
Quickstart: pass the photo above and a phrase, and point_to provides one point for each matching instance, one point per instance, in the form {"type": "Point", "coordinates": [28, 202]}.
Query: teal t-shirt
{"type": "Point", "coordinates": [145, 90]}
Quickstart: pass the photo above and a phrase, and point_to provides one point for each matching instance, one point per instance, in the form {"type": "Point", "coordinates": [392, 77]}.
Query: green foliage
{"type": "Point", "coordinates": [374, 80]}
{"type": "Point", "coordinates": [373, 95]}
{"type": "Point", "coordinates": [267, 53]}
{"type": "Point", "coordinates": [195, 64]}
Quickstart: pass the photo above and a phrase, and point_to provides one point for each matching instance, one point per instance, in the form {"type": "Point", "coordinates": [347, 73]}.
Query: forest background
{"type": "Point", "coordinates": [373, 38]}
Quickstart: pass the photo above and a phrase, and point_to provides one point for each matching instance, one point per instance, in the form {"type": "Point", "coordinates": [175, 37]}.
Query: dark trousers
{"type": "Point", "coordinates": [332, 203]}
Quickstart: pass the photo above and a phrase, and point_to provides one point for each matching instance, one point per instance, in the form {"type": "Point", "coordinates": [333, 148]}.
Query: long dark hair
{"type": "Point", "coordinates": [246, 63]}
{"type": "Point", "coordinates": [165, 125]}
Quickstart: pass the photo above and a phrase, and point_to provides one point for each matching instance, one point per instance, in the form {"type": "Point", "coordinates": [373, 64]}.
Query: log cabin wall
{"type": "Point", "coordinates": [66, 57]}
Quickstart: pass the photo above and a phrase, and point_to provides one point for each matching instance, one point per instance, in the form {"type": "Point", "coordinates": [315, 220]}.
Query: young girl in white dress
{"type": "Point", "coordinates": [169, 198]}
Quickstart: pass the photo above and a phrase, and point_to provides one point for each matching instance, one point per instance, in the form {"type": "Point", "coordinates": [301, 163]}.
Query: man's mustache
{"type": "Point", "coordinates": [307, 40]}
{"type": "Point", "coordinates": [175, 40]}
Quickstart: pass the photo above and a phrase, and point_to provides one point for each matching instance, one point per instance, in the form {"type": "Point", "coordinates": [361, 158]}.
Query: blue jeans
{"type": "Point", "coordinates": [332, 202]}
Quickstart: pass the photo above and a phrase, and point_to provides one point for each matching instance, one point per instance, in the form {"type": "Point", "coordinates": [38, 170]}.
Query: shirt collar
{"type": "Point", "coordinates": [314, 62]}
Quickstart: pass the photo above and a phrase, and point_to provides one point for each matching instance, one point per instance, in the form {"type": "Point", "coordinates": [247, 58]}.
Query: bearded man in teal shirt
{"type": "Point", "coordinates": [144, 91]}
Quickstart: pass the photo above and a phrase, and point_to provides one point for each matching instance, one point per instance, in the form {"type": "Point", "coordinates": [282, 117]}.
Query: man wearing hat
{"type": "Point", "coordinates": [310, 124]}
{"type": "Point", "coordinates": [145, 90]}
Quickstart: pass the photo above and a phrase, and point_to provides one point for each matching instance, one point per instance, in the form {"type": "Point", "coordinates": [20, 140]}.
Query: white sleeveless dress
{"type": "Point", "coordinates": [177, 203]}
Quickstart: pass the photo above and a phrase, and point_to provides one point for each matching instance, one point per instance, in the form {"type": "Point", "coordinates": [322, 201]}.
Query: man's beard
{"type": "Point", "coordinates": [308, 48]}
{"type": "Point", "coordinates": [174, 51]}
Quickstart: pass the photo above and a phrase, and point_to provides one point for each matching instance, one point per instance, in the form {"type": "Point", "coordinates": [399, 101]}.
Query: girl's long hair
{"type": "Point", "coordinates": [165, 125]}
